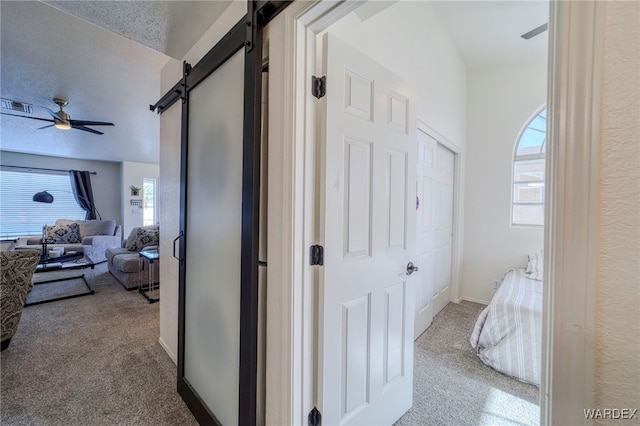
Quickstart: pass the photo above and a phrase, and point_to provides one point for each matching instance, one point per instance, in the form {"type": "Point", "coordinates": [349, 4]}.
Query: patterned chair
{"type": "Point", "coordinates": [16, 270]}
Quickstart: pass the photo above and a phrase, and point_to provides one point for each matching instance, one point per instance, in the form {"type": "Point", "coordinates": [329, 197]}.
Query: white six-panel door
{"type": "Point", "coordinates": [366, 313]}
{"type": "Point", "coordinates": [434, 229]}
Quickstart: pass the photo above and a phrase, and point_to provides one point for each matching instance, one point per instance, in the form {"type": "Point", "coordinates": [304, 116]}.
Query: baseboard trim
{"type": "Point", "coordinates": [471, 299]}
{"type": "Point", "coordinates": [168, 351]}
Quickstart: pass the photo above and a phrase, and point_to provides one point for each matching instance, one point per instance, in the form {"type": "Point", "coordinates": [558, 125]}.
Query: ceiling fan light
{"type": "Point", "coordinates": [62, 125]}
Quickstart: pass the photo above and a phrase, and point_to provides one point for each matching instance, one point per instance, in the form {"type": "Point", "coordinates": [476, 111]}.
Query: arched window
{"type": "Point", "coordinates": [528, 173]}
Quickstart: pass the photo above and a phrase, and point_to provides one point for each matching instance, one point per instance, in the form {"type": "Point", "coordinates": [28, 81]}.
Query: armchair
{"type": "Point", "coordinates": [17, 268]}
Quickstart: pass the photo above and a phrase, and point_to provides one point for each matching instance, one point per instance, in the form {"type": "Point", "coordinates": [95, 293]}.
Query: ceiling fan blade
{"type": "Point", "coordinates": [89, 123]}
{"type": "Point", "coordinates": [44, 127]}
{"type": "Point", "coordinates": [86, 129]}
{"type": "Point", "coordinates": [33, 118]}
{"type": "Point", "coordinates": [534, 32]}
{"type": "Point", "coordinates": [52, 113]}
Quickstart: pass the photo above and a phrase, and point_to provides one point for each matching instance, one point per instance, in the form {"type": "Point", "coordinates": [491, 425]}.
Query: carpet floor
{"type": "Point", "coordinates": [453, 387]}
{"type": "Point", "coordinates": [90, 360]}
{"type": "Point", "coordinates": [96, 360]}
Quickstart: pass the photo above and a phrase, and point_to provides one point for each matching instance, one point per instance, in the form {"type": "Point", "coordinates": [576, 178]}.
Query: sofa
{"type": "Point", "coordinates": [91, 237]}
{"type": "Point", "coordinates": [124, 262]}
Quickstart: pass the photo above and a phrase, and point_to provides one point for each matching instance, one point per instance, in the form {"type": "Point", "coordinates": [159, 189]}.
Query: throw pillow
{"type": "Point", "coordinates": [67, 233]}
{"type": "Point", "coordinates": [141, 238]}
{"type": "Point", "coordinates": [535, 266]}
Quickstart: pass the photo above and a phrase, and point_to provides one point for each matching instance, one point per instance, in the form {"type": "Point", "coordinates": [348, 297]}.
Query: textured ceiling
{"type": "Point", "coordinates": [170, 27]}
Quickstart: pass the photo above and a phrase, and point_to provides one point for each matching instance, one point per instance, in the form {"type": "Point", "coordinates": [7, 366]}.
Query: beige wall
{"type": "Point", "coordinates": [617, 377]}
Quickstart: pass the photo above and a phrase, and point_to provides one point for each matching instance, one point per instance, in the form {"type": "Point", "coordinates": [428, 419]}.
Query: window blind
{"type": "Point", "coordinates": [20, 215]}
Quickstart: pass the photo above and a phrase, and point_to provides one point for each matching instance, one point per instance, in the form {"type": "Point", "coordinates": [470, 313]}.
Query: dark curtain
{"type": "Point", "coordinates": [81, 187]}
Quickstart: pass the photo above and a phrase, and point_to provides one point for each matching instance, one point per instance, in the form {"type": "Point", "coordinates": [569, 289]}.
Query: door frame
{"type": "Point", "coordinates": [574, 56]}
{"type": "Point", "coordinates": [572, 247]}
{"type": "Point", "coordinates": [293, 225]}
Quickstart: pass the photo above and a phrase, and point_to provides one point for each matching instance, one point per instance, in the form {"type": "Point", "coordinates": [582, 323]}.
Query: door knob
{"type": "Point", "coordinates": [411, 268]}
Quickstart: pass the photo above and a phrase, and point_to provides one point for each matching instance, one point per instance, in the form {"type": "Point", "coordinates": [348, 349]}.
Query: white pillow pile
{"type": "Point", "coordinates": [535, 267]}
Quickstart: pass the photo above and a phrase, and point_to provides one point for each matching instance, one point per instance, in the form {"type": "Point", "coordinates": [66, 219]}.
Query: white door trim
{"type": "Point", "coordinates": [568, 354]}
{"type": "Point", "coordinates": [571, 240]}
{"type": "Point", "coordinates": [293, 225]}
{"type": "Point", "coordinates": [290, 352]}
{"type": "Point", "coordinates": [458, 202]}
{"type": "Point", "coordinates": [285, 229]}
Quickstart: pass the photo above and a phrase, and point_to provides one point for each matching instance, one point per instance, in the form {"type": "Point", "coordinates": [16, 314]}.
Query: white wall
{"type": "Point", "coordinates": [133, 173]}
{"type": "Point", "coordinates": [169, 182]}
{"type": "Point", "coordinates": [501, 99]}
{"type": "Point", "coordinates": [169, 214]}
{"type": "Point", "coordinates": [617, 345]}
{"type": "Point", "coordinates": [106, 183]}
{"type": "Point", "coordinates": [408, 39]}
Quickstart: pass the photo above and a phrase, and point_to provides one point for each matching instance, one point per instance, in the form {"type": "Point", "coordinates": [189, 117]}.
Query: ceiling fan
{"type": "Point", "coordinates": [61, 120]}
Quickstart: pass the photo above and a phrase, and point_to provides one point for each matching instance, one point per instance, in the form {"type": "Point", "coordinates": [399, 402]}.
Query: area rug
{"type": "Point", "coordinates": [90, 361]}
{"type": "Point", "coordinates": [453, 387]}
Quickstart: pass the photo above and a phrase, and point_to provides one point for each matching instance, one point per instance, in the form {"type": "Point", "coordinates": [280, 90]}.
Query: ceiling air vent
{"type": "Point", "coordinates": [534, 32]}
{"type": "Point", "coordinates": [16, 106]}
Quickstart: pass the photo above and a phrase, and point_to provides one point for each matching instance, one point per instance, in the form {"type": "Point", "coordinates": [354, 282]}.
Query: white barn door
{"type": "Point", "coordinates": [366, 310]}
{"type": "Point", "coordinates": [434, 231]}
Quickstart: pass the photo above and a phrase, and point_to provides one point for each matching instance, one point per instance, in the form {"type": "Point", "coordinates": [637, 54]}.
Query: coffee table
{"type": "Point", "coordinates": [68, 262]}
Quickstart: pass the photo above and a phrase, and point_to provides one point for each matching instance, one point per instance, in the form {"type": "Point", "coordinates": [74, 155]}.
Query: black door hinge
{"type": "Point", "coordinates": [248, 40]}
{"type": "Point", "coordinates": [318, 86]}
{"type": "Point", "coordinates": [316, 255]}
{"type": "Point", "coordinates": [315, 418]}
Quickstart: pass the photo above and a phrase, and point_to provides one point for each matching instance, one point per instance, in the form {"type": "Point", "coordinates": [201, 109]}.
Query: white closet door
{"type": "Point", "coordinates": [443, 227]}
{"type": "Point", "coordinates": [425, 238]}
{"type": "Point", "coordinates": [213, 238]}
{"type": "Point", "coordinates": [434, 230]}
